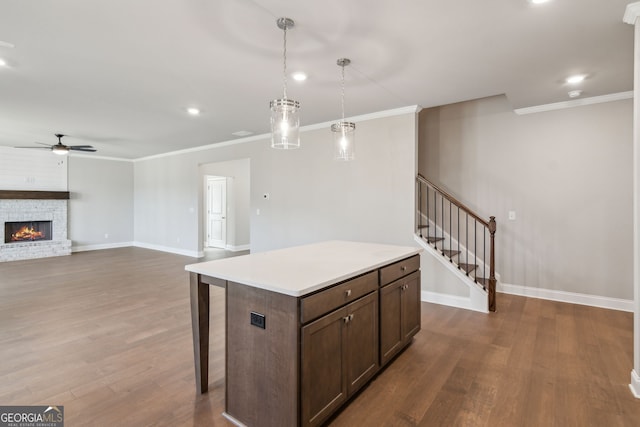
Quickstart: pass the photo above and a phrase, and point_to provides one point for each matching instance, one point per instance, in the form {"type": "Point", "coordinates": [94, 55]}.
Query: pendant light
{"type": "Point", "coordinates": [285, 112]}
{"type": "Point", "coordinates": [344, 133]}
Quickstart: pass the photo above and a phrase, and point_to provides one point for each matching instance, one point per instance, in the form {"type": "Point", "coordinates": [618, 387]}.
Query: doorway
{"type": "Point", "coordinates": [225, 189]}
{"type": "Point", "coordinates": [216, 212]}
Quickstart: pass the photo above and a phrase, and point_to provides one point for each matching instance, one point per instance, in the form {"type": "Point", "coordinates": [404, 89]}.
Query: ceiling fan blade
{"type": "Point", "coordinates": [42, 143]}
{"type": "Point", "coordinates": [79, 148]}
{"type": "Point", "coordinates": [45, 148]}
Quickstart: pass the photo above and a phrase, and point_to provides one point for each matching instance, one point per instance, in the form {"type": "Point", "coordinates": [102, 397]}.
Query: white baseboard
{"type": "Point", "coordinates": [570, 297]}
{"type": "Point", "coordinates": [101, 246]}
{"type": "Point", "coordinates": [177, 251]}
{"type": "Point", "coordinates": [449, 300]}
{"type": "Point", "coordinates": [635, 384]}
{"type": "Point", "coordinates": [238, 248]}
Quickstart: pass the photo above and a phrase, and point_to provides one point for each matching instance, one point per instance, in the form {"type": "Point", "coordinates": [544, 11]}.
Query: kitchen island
{"type": "Point", "coordinates": [306, 327]}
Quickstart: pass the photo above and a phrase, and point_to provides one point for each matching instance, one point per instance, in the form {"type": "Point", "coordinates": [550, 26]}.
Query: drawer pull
{"type": "Point", "coordinates": [348, 292]}
{"type": "Point", "coordinates": [403, 268]}
{"type": "Point", "coordinates": [346, 319]}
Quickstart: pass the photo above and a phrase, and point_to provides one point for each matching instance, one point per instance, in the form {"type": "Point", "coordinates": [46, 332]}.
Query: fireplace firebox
{"type": "Point", "coordinates": [27, 231]}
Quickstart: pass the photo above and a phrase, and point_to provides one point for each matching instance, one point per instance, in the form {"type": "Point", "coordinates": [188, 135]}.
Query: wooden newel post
{"type": "Point", "coordinates": [492, 265]}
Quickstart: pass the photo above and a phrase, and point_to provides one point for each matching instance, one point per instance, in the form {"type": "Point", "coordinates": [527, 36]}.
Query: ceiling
{"type": "Point", "coordinates": [120, 74]}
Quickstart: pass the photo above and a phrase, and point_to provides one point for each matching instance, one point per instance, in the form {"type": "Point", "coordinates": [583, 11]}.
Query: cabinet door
{"type": "Point", "coordinates": [391, 336]}
{"type": "Point", "coordinates": [323, 367]}
{"type": "Point", "coordinates": [362, 341]}
{"type": "Point", "coordinates": [411, 306]}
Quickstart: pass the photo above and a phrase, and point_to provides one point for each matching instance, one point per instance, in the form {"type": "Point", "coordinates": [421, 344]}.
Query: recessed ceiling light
{"type": "Point", "coordinates": [575, 79]}
{"type": "Point", "coordinates": [299, 76]}
{"type": "Point", "coordinates": [193, 111]}
{"type": "Point", "coordinates": [575, 93]}
{"type": "Point", "coordinates": [3, 63]}
{"type": "Point", "coordinates": [538, 1]}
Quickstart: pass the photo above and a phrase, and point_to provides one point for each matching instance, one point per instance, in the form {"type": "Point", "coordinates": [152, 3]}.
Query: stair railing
{"type": "Point", "coordinates": [458, 234]}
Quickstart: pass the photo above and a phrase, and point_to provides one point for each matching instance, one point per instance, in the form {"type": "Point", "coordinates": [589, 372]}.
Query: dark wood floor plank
{"type": "Point", "coordinates": [108, 335]}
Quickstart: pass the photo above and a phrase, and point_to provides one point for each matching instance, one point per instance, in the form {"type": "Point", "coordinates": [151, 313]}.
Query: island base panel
{"type": "Point", "coordinates": [262, 364]}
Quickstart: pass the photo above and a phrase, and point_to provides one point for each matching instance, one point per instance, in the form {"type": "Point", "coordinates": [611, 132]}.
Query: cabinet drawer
{"type": "Point", "coordinates": [399, 269]}
{"type": "Point", "coordinates": [318, 304]}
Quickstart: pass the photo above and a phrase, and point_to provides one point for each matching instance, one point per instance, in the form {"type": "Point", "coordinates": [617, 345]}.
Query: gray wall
{"type": "Point", "coordinates": [101, 202]}
{"type": "Point", "coordinates": [566, 173]}
{"type": "Point", "coordinates": [238, 199]}
{"type": "Point", "coordinates": [312, 197]}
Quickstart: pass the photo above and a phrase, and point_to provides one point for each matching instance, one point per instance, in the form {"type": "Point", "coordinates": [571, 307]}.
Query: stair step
{"type": "Point", "coordinates": [450, 253]}
{"type": "Point", "coordinates": [482, 281]}
{"type": "Point", "coordinates": [432, 239]}
{"type": "Point", "coordinates": [467, 268]}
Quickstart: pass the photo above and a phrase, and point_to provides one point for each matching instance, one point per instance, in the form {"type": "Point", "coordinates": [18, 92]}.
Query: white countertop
{"type": "Point", "coordinates": [300, 270]}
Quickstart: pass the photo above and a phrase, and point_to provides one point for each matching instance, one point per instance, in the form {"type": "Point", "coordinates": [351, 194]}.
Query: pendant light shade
{"type": "Point", "coordinates": [344, 133]}
{"type": "Point", "coordinates": [285, 112]}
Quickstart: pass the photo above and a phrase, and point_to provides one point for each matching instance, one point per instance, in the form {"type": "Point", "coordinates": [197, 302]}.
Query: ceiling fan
{"type": "Point", "coordinates": [62, 149]}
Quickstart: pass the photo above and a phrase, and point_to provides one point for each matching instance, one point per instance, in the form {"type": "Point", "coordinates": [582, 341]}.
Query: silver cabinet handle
{"type": "Point", "coordinates": [350, 317]}
{"type": "Point", "coordinates": [348, 292]}
{"type": "Point", "coordinates": [346, 319]}
{"type": "Point", "coordinates": [404, 268]}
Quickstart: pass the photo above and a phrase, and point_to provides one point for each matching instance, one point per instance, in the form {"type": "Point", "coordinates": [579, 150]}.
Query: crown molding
{"type": "Point", "coordinates": [631, 13]}
{"type": "Point", "coordinates": [575, 103]}
{"type": "Point", "coordinates": [97, 157]}
{"type": "Point", "coordinates": [413, 109]}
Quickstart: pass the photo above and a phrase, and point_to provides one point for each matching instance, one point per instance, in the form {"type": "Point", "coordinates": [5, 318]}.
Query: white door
{"type": "Point", "coordinates": [216, 212]}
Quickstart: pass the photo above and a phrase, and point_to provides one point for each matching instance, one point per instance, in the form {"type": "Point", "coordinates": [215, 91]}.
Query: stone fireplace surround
{"type": "Point", "coordinates": [36, 206]}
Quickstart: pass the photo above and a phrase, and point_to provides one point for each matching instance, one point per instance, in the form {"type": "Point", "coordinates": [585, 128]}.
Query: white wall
{"type": "Point", "coordinates": [101, 203]}
{"type": "Point", "coordinates": [566, 173]}
{"type": "Point", "coordinates": [312, 197]}
{"type": "Point", "coordinates": [32, 169]}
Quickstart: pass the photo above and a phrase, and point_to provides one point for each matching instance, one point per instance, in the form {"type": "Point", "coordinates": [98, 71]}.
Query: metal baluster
{"type": "Point", "coordinates": [466, 239]}
{"type": "Point", "coordinates": [419, 207]}
{"type": "Point", "coordinates": [458, 235]}
{"type": "Point", "coordinates": [435, 218]}
{"type": "Point", "coordinates": [475, 245]}
{"type": "Point", "coordinates": [450, 232]}
{"type": "Point", "coordinates": [484, 256]}
{"type": "Point", "coordinates": [428, 212]}
{"type": "Point", "coordinates": [442, 227]}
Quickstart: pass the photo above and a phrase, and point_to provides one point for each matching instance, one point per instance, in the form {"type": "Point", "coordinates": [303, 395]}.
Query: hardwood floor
{"type": "Point", "coordinates": [107, 334]}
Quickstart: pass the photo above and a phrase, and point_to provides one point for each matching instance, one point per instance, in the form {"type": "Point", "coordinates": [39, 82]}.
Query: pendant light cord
{"type": "Point", "coordinates": [342, 100]}
{"type": "Point", "coordinates": [284, 63]}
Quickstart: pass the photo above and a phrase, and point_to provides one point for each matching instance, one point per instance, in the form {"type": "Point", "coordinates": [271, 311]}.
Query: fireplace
{"type": "Point", "coordinates": [35, 224]}
{"type": "Point", "coordinates": [27, 231]}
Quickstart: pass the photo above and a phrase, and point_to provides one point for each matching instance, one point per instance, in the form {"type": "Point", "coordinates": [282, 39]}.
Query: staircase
{"type": "Point", "coordinates": [457, 234]}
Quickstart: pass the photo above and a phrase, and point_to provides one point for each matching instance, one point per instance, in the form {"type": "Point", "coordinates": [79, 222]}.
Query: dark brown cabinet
{"type": "Point", "coordinates": [339, 355]}
{"type": "Point", "coordinates": [399, 315]}
{"type": "Point", "coordinates": [310, 354]}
